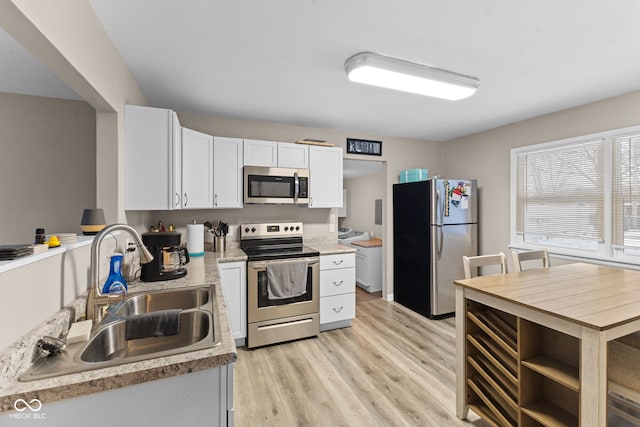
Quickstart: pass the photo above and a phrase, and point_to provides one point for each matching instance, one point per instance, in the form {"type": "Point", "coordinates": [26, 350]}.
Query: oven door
{"type": "Point", "coordinates": [261, 308]}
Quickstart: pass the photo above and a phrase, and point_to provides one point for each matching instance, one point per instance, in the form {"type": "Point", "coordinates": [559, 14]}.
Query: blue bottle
{"type": "Point", "coordinates": [115, 282]}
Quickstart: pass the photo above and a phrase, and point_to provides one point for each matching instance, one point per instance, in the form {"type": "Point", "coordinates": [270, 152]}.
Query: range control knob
{"type": "Point", "coordinates": [246, 230]}
{"type": "Point", "coordinates": [286, 228]}
{"type": "Point", "coordinates": [253, 229]}
{"type": "Point", "coordinates": [297, 228]}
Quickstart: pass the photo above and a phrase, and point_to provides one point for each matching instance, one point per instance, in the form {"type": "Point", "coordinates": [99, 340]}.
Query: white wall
{"type": "Point", "coordinates": [47, 167]}
{"type": "Point", "coordinates": [361, 195]}
{"type": "Point", "coordinates": [486, 156]}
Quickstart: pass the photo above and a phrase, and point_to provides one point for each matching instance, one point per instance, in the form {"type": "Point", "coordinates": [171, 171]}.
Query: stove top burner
{"type": "Point", "coordinates": [279, 240]}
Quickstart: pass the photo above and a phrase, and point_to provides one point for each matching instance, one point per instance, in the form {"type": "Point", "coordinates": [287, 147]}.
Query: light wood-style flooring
{"type": "Point", "coordinates": [393, 367]}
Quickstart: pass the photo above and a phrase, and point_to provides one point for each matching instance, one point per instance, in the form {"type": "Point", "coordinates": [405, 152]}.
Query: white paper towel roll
{"type": "Point", "coordinates": [195, 239]}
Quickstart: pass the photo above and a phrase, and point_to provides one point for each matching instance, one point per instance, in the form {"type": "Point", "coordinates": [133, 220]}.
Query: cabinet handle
{"type": "Point", "coordinates": [338, 283]}
{"type": "Point", "coordinates": [310, 201]}
{"type": "Point", "coordinates": [338, 262]}
{"type": "Point", "coordinates": [215, 200]}
{"type": "Point", "coordinates": [177, 199]}
{"type": "Point", "coordinates": [338, 310]}
{"type": "Point", "coordinates": [186, 199]}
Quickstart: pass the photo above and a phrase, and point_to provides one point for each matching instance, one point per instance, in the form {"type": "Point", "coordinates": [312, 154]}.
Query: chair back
{"type": "Point", "coordinates": [523, 257]}
{"type": "Point", "coordinates": [472, 263]}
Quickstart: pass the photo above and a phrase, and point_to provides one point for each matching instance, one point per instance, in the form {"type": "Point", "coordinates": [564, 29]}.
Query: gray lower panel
{"type": "Point", "coordinates": [279, 330]}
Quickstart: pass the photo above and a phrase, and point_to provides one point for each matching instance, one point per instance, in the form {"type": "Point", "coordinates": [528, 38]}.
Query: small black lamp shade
{"type": "Point", "coordinates": [92, 221]}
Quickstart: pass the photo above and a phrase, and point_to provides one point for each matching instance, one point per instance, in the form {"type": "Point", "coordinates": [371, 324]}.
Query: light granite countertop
{"type": "Point", "coordinates": [15, 359]}
{"type": "Point", "coordinates": [330, 248]}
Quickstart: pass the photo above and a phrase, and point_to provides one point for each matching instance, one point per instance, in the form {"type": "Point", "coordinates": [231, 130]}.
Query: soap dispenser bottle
{"type": "Point", "coordinates": [115, 282]}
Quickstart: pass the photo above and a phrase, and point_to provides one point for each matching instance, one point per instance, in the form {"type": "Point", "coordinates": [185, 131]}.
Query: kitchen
{"type": "Point", "coordinates": [488, 147]}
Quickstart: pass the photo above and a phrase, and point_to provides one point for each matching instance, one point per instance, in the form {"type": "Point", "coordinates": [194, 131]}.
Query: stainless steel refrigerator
{"type": "Point", "coordinates": [434, 225]}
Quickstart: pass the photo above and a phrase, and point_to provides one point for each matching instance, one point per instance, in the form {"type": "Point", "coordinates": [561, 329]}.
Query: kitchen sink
{"type": "Point", "coordinates": [108, 344]}
{"type": "Point", "coordinates": [162, 300]}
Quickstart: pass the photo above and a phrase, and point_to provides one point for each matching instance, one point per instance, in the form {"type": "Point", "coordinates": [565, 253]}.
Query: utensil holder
{"type": "Point", "coordinates": [219, 244]}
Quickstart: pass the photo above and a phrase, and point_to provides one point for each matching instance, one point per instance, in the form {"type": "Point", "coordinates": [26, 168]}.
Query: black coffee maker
{"type": "Point", "coordinates": [168, 257]}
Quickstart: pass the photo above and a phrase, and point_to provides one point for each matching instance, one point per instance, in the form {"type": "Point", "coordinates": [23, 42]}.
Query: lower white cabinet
{"type": "Point", "coordinates": [192, 399]}
{"type": "Point", "coordinates": [337, 290]}
{"type": "Point", "coordinates": [234, 285]}
{"type": "Point", "coordinates": [369, 268]}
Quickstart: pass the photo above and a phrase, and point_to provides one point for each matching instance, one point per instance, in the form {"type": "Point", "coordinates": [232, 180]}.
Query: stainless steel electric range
{"type": "Point", "coordinates": [283, 283]}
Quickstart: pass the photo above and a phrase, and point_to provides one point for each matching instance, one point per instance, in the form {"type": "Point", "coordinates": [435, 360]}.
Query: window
{"type": "Point", "coordinates": [579, 196]}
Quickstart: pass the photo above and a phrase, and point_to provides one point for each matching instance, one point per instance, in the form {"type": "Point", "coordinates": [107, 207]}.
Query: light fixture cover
{"type": "Point", "coordinates": [384, 71]}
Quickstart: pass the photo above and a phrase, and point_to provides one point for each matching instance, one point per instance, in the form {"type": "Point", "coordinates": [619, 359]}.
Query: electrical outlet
{"type": "Point", "coordinates": [230, 232]}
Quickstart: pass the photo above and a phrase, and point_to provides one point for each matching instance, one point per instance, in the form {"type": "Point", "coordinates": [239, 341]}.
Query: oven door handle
{"type": "Point", "coordinates": [262, 265]}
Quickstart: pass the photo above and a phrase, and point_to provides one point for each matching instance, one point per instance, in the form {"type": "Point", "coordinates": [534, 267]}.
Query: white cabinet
{"type": "Point", "coordinates": [152, 159]}
{"type": "Point", "coordinates": [293, 155]}
{"type": "Point", "coordinates": [185, 399]}
{"type": "Point", "coordinates": [227, 172]}
{"type": "Point", "coordinates": [197, 171]}
{"type": "Point", "coordinates": [233, 276]}
{"type": "Point", "coordinates": [275, 154]}
{"type": "Point", "coordinates": [337, 290]}
{"type": "Point", "coordinates": [369, 268]}
{"type": "Point", "coordinates": [260, 153]}
{"type": "Point", "coordinates": [325, 181]}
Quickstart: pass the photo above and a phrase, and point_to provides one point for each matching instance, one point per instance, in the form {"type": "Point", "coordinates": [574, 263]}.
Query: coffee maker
{"type": "Point", "coordinates": [168, 257]}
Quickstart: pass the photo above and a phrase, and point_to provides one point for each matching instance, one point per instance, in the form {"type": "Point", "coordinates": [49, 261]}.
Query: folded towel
{"type": "Point", "coordinates": [155, 324]}
{"type": "Point", "coordinates": [286, 279]}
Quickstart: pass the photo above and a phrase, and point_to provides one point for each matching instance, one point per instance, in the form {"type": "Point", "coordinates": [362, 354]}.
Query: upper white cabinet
{"type": "Point", "coordinates": [293, 155]}
{"type": "Point", "coordinates": [152, 159]}
{"type": "Point", "coordinates": [227, 172]}
{"type": "Point", "coordinates": [197, 173]}
{"type": "Point", "coordinates": [275, 154]}
{"type": "Point", "coordinates": [260, 153]}
{"type": "Point", "coordinates": [325, 181]}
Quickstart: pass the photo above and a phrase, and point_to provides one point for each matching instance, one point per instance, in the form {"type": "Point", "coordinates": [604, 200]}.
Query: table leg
{"type": "Point", "coordinates": [593, 378]}
{"type": "Point", "coordinates": [462, 410]}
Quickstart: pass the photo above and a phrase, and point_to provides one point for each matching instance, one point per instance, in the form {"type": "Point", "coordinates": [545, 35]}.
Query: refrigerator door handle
{"type": "Point", "coordinates": [439, 209]}
{"type": "Point", "coordinates": [439, 240]}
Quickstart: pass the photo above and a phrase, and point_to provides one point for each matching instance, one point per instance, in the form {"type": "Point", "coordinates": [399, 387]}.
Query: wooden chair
{"type": "Point", "coordinates": [520, 257]}
{"type": "Point", "coordinates": [471, 263]}
{"type": "Point", "coordinates": [624, 378]}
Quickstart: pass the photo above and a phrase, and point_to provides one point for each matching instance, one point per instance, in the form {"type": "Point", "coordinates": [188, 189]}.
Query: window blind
{"type": "Point", "coordinates": [626, 191]}
{"type": "Point", "coordinates": [560, 193]}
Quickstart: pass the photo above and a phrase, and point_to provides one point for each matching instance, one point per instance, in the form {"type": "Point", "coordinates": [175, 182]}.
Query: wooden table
{"type": "Point", "coordinates": [529, 341]}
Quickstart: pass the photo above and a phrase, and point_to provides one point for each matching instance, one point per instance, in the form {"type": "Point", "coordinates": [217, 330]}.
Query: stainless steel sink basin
{"type": "Point", "coordinates": [108, 344]}
{"type": "Point", "coordinates": [163, 300]}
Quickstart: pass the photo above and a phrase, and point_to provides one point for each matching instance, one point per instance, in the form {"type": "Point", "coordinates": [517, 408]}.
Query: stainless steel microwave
{"type": "Point", "coordinates": [278, 186]}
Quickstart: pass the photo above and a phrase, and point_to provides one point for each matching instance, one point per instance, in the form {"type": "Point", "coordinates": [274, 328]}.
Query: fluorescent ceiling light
{"type": "Point", "coordinates": [392, 73]}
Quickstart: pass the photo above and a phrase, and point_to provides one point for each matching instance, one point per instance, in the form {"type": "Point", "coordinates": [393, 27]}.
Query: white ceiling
{"type": "Point", "coordinates": [282, 60]}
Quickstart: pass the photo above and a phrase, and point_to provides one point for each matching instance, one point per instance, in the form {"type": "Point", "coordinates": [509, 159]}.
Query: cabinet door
{"type": "Point", "coordinates": [361, 267]}
{"type": "Point", "coordinates": [293, 155]}
{"type": "Point", "coordinates": [227, 172]}
{"type": "Point", "coordinates": [197, 169]}
{"type": "Point", "coordinates": [234, 285]}
{"type": "Point", "coordinates": [149, 158]}
{"type": "Point", "coordinates": [260, 153]}
{"type": "Point", "coordinates": [325, 180]}
{"type": "Point", "coordinates": [176, 175]}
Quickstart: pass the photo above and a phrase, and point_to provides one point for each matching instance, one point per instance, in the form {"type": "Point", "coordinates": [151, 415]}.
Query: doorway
{"type": "Point", "coordinates": [361, 220]}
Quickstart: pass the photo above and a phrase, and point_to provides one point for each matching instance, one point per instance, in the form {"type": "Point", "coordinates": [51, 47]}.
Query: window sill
{"type": "Point", "coordinates": [579, 258]}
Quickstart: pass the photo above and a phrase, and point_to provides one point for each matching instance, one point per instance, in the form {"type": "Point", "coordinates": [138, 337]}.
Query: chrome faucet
{"type": "Point", "coordinates": [96, 300]}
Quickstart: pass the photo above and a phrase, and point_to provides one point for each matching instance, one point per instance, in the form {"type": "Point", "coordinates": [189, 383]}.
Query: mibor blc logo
{"type": "Point", "coordinates": [28, 410]}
